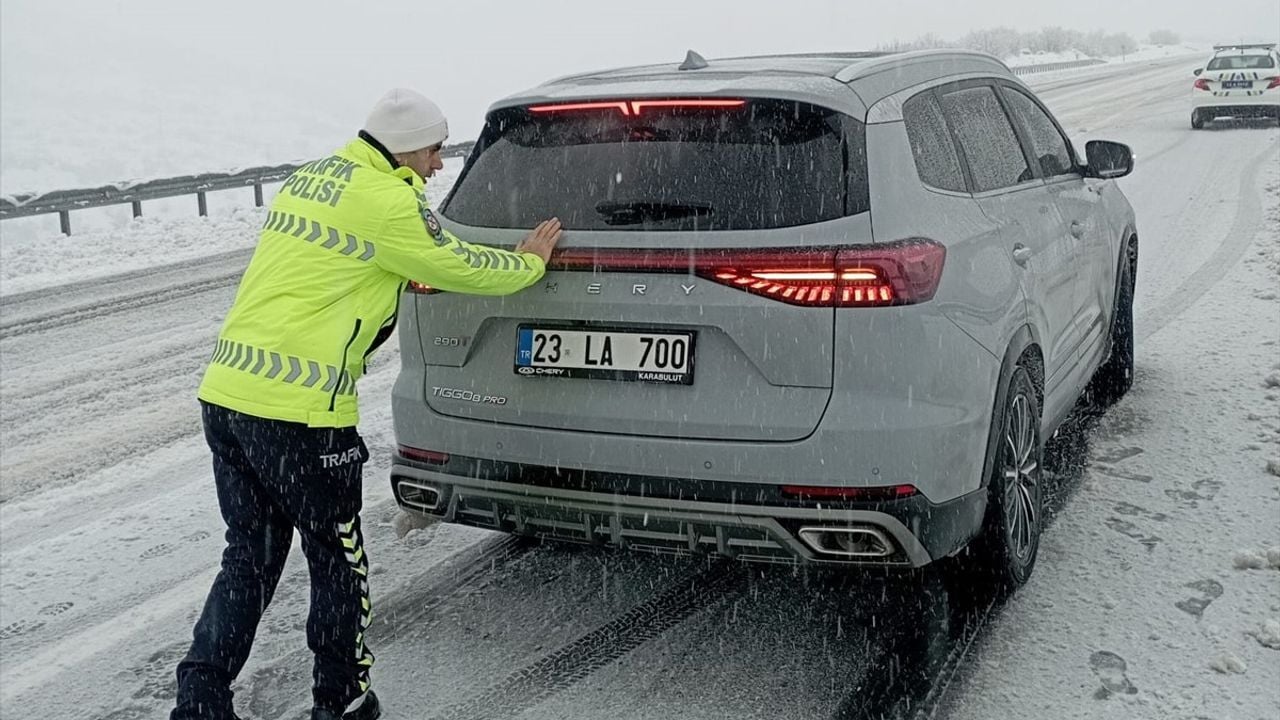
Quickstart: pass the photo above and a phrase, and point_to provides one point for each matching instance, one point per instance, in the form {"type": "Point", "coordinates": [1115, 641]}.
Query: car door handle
{"type": "Point", "coordinates": [1021, 254]}
{"type": "Point", "coordinates": [1077, 229]}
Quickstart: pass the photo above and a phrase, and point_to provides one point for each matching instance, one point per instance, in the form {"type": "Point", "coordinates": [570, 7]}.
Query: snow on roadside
{"type": "Point", "coordinates": [1144, 604]}
{"type": "Point", "coordinates": [1145, 53]}
{"type": "Point", "coordinates": [47, 258]}
{"type": "Point", "coordinates": [35, 255]}
{"type": "Point", "coordinates": [1268, 634]}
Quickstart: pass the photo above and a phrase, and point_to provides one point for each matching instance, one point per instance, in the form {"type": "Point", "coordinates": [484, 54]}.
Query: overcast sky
{"type": "Point", "coordinates": [317, 66]}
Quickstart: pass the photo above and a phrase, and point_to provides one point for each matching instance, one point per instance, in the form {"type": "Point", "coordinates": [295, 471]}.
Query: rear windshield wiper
{"type": "Point", "coordinates": [632, 212]}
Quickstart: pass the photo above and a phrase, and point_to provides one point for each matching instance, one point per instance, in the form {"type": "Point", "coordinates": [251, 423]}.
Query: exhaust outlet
{"type": "Point", "coordinates": [417, 496]}
{"type": "Point", "coordinates": [849, 542]}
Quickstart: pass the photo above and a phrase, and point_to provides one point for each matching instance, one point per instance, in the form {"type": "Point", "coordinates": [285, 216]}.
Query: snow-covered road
{"type": "Point", "coordinates": [109, 530]}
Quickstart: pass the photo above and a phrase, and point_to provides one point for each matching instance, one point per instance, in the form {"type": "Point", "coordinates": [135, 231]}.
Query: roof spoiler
{"type": "Point", "coordinates": [1247, 46]}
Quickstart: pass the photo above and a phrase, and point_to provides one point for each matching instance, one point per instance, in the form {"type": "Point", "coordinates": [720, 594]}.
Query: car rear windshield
{"type": "Point", "coordinates": [627, 165]}
{"type": "Point", "coordinates": [1242, 62]}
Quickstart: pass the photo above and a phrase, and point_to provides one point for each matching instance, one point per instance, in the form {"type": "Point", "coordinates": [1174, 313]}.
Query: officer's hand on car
{"type": "Point", "coordinates": [542, 240]}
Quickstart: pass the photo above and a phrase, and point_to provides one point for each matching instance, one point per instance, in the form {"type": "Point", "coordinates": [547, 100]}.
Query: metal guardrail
{"type": "Point", "coordinates": [63, 202]}
{"type": "Point", "coordinates": [1053, 67]}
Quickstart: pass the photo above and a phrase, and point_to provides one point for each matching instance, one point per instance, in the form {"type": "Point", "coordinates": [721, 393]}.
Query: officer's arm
{"type": "Point", "coordinates": [413, 245]}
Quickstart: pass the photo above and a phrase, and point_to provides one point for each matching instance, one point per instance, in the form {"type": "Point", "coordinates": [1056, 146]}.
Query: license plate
{"type": "Point", "coordinates": [605, 355]}
{"type": "Point", "coordinates": [1237, 85]}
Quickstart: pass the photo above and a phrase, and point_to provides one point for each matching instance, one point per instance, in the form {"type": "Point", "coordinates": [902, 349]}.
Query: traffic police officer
{"type": "Point", "coordinates": [321, 293]}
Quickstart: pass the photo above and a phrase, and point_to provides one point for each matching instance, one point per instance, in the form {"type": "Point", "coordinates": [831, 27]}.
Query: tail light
{"type": "Point", "coordinates": [898, 273]}
{"type": "Point", "coordinates": [1201, 84]}
{"type": "Point", "coordinates": [863, 494]}
{"type": "Point", "coordinates": [901, 273]}
{"type": "Point", "coordinates": [431, 457]}
{"type": "Point", "coordinates": [1275, 83]}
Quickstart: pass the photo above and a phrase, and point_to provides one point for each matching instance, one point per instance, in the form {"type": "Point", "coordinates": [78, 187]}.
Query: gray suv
{"type": "Point", "coordinates": [809, 308]}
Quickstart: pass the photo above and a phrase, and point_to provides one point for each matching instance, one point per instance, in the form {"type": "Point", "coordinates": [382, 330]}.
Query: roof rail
{"type": "Point", "coordinates": [1247, 46]}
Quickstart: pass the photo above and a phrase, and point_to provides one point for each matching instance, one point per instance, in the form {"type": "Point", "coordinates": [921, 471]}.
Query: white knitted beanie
{"type": "Point", "coordinates": [404, 121]}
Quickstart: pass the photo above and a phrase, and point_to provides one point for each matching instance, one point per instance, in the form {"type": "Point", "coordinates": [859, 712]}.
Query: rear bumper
{"type": "Point", "coordinates": [916, 413]}
{"type": "Point", "coordinates": [1265, 104]}
{"type": "Point", "coordinates": [669, 515]}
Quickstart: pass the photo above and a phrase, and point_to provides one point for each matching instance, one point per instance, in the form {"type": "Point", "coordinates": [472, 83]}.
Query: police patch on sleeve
{"type": "Point", "coordinates": [433, 226]}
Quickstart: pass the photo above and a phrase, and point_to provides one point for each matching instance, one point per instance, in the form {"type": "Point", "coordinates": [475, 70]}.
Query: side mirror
{"type": "Point", "coordinates": [1198, 71]}
{"type": "Point", "coordinates": [1108, 160]}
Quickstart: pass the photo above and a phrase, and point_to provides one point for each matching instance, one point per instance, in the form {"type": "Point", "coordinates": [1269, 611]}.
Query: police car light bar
{"type": "Point", "coordinates": [1247, 46]}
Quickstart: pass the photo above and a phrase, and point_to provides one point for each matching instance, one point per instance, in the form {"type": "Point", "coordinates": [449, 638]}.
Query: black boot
{"type": "Point", "coordinates": [365, 708]}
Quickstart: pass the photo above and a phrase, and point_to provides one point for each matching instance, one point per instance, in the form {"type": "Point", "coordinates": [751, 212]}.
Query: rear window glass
{"type": "Point", "coordinates": [764, 164]}
{"type": "Point", "coordinates": [1242, 62]}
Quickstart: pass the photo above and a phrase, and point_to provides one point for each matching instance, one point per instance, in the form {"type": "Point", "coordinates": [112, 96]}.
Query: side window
{"type": "Point", "coordinates": [935, 153]}
{"type": "Point", "coordinates": [987, 139]}
{"type": "Point", "coordinates": [1047, 144]}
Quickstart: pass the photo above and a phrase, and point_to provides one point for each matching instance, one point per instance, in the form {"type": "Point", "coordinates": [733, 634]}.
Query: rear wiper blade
{"type": "Point", "coordinates": [631, 212]}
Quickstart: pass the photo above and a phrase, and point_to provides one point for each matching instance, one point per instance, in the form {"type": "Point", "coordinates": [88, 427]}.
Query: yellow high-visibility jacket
{"type": "Point", "coordinates": [323, 289]}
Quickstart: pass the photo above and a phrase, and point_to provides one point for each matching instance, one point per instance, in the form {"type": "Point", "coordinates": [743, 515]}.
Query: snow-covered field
{"type": "Point", "coordinates": [1144, 54]}
{"type": "Point", "coordinates": [1157, 596]}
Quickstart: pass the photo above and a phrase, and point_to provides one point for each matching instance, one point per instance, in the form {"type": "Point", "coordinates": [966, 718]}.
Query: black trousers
{"type": "Point", "coordinates": [272, 478]}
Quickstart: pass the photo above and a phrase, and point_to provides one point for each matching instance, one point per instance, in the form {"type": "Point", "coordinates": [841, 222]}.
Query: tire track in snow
{"type": "Point", "coordinates": [71, 316]}
{"type": "Point", "coordinates": [571, 663]}
{"type": "Point", "coordinates": [49, 308]}
{"type": "Point", "coordinates": [416, 598]}
{"type": "Point", "coordinates": [1231, 248]}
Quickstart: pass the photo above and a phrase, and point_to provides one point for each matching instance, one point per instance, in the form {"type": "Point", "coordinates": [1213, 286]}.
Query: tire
{"type": "Point", "coordinates": [1197, 120]}
{"type": "Point", "coordinates": [1114, 378]}
{"type": "Point", "coordinates": [1004, 553]}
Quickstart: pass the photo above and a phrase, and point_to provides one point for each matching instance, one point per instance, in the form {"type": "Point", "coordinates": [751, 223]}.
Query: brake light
{"type": "Point", "coordinates": [1202, 84]}
{"type": "Point", "coordinates": [1275, 83]}
{"type": "Point", "coordinates": [421, 289]}
{"type": "Point", "coordinates": [899, 273]}
{"type": "Point", "coordinates": [636, 107]}
{"type": "Point", "coordinates": [865, 494]}
{"type": "Point", "coordinates": [426, 456]}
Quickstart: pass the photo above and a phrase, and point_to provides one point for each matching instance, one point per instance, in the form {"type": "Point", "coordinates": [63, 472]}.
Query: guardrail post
{"type": "Point", "coordinates": [257, 195]}
{"type": "Point", "coordinates": [137, 208]}
{"type": "Point", "coordinates": [64, 219]}
{"type": "Point", "coordinates": [202, 201]}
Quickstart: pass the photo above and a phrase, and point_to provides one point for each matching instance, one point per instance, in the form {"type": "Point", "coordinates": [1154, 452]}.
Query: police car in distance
{"type": "Point", "coordinates": [1240, 81]}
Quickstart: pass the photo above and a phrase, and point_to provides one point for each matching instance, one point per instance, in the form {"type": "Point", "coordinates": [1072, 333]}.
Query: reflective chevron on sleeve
{"type": "Point", "coordinates": [311, 231]}
{"type": "Point", "coordinates": [273, 365]}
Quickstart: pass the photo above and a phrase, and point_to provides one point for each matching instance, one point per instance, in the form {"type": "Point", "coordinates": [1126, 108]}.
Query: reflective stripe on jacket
{"type": "Point", "coordinates": [323, 288]}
